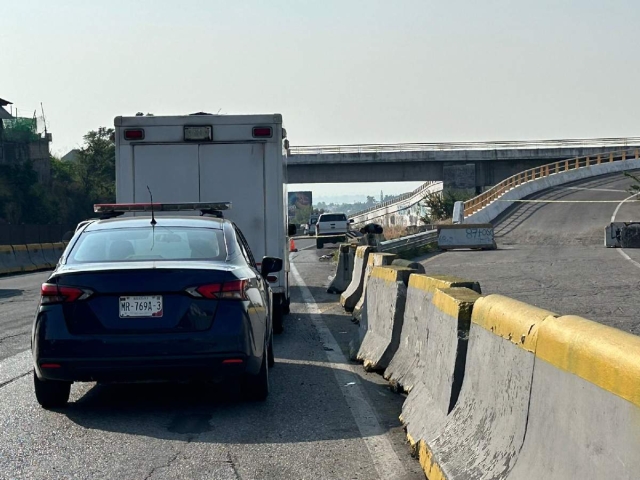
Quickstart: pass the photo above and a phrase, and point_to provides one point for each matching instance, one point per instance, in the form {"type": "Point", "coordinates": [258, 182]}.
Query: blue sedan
{"type": "Point", "coordinates": [154, 298]}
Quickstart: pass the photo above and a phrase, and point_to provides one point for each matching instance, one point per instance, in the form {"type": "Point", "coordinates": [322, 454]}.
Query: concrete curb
{"type": "Point", "coordinates": [380, 331]}
{"type": "Point", "coordinates": [351, 295]}
{"type": "Point", "coordinates": [23, 259]}
{"type": "Point", "coordinates": [413, 356]}
{"type": "Point", "coordinates": [483, 434]}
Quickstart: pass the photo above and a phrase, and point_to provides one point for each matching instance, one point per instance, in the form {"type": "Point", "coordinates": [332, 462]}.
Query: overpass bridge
{"type": "Point", "coordinates": [458, 164]}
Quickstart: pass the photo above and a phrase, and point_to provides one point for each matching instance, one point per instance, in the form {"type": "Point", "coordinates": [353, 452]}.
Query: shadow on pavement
{"type": "Point", "coordinates": [10, 292]}
{"type": "Point", "coordinates": [305, 405]}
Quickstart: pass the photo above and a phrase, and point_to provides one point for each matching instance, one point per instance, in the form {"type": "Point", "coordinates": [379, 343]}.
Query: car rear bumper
{"type": "Point", "coordinates": [339, 237]}
{"type": "Point", "coordinates": [137, 369]}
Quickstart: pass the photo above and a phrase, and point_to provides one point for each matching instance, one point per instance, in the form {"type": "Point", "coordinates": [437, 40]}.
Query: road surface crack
{"type": "Point", "coordinates": [11, 380]}
{"type": "Point", "coordinates": [159, 467]}
{"type": "Point", "coordinates": [12, 336]}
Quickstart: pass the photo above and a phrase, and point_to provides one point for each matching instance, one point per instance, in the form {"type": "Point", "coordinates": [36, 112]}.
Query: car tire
{"type": "Point", "coordinates": [319, 244]}
{"type": "Point", "coordinates": [286, 307]}
{"type": "Point", "coordinates": [51, 394]}
{"type": "Point", "coordinates": [256, 387]}
{"type": "Point", "coordinates": [278, 315]}
{"type": "Point", "coordinates": [270, 355]}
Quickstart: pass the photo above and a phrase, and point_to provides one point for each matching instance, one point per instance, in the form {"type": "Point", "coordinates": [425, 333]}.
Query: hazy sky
{"type": "Point", "coordinates": [342, 71]}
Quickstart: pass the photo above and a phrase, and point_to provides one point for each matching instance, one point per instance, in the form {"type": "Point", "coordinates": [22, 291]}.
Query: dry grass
{"type": "Point", "coordinates": [395, 231]}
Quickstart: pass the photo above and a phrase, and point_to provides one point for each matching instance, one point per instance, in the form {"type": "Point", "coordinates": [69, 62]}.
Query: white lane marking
{"type": "Point", "coordinates": [565, 201]}
{"type": "Point", "coordinates": [15, 367]}
{"type": "Point", "coordinates": [613, 219]}
{"type": "Point", "coordinates": [628, 199]}
{"type": "Point", "coordinates": [383, 456]}
{"type": "Point", "coordinates": [596, 189]}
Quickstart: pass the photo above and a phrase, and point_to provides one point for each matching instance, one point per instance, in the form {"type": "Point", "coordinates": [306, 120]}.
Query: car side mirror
{"type": "Point", "coordinates": [292, 230]}
{"type": "Point", "coordinates": [270, 265]}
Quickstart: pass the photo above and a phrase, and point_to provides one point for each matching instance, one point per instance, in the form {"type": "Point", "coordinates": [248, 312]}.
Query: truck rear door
{"type": "Point", "coordinates": [235, 172]}
{"type": "Point", "coordinates": [170, 171]}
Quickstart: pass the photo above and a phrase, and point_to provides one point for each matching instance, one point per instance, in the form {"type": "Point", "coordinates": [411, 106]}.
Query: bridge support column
{"type": "Point", "coordinates": [460, 178]}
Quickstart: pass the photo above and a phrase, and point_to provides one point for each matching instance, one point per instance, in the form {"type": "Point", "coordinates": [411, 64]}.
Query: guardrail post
{"type": "Point", "coordinates": [611, 157]}
{"type": "Point", "coordinates": [566, 165]}
{"type": "Point", "coordinates": [637, 153]}
{"type": "Point", "coordinates": [587, 163]}
{"type": "Point", "coordinates": [624, 156]}
{"type": "Point", "coordinates": [577, 163]}
{"type": "Point", "coordinates": [599, 159]}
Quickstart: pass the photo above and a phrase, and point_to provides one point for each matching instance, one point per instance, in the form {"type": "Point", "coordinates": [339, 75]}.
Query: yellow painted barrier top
{"type": "Point", "coordinates": [456, 302]}
{"type": "Point", "coordinates": [6, 249]}
{"type": "Point", "coordinates": [431, 283]}
{"type": "Point", "coordinates": [602, 355]}
{"type": "Point", "coordinates": [46, 245]}
{"type": "Point", "coordinates": [34, 246]}
{"type": "Point", "coordinates": [391, 273]}
{"type": "Point", "coordinates": [376, 258]}
{"type": "Point", "coordinates": [360, 251]}
{"type": "Point", "coordinates": [19, 248]}
{"type": "Point", "coordinates": [510, 319]}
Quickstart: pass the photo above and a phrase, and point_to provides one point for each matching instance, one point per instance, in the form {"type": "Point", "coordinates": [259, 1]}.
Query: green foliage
{"type": "Point", "coordinates": [634, 189]}
{"type": "Point", "coordinates": [441, 204]}
{"type": "Point", "coordinates": [20, 129]}
{"type": "Point", "coordinates": [74, 186]}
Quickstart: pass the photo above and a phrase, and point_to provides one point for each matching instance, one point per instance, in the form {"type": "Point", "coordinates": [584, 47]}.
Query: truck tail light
{"type": "Point", "coordinates": [262, 132]}
{"type": "Point", "coordinates": [134, 134]}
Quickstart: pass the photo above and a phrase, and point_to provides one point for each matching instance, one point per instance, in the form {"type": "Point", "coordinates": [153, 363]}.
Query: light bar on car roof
{"type": "Point", "coordinates": [160, 207]}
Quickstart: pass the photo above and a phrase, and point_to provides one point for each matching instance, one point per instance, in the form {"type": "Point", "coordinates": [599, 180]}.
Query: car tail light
{"type": "Point", "coordinates": [231, 361]}
{"type": "Point", "coordinates": [262, 132]}
{"type": "Point", "coordinates": [134, 134]}
{"type": "Point", "coordinates": [272, 278]}
{"type": "Point", "coordinates": [234, 290]}
{"type": "Point", "coordinates": [52, 293]}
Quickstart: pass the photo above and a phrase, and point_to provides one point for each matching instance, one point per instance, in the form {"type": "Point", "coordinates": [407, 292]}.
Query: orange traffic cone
{"type": "Point", "coordinates": [292, 246]}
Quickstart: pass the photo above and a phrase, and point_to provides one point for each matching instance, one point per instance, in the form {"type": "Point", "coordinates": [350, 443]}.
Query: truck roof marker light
{"type": "Point", "coordinates": [134, 134]}
{"type": "Point", "coordinates": [262, 132]}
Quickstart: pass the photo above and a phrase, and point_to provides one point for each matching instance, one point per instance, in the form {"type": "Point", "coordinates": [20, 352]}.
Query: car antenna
{"type": "Point", "coordinates": [153, 217]}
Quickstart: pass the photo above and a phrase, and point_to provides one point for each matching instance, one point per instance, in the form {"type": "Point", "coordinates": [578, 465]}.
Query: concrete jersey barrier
{"type": "Point", "coordinates": [8, 263]}
{"type": "Point", "coordinates": [483, 434]}
{"type": "Point", "coordinates": [466, 235]}
{"type": "Point", "coordinates": [374, 260]}
{"type": "Point", "coordinates": [440, 361]}
{"type": "Point", "coordinates": [584, 418]}
{"type": "Point", "coordinates": [23, 259]}
{"type": "Point", "coordinates": [49, 254]}
{"type": "Point", "coordinates": [380, 330]}
{"type": "Point", "coordinates": [351, 295]}
{"type": "Point", "coordinates": [344, 270]}
{"type": "Point", "coordinates": [412, 357]}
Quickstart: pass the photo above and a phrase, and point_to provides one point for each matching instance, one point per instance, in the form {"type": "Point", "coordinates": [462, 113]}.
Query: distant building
{"type": "Point", "coordinates": [20, 142]}
{"type": "Point", "coordinates": [71, 156]}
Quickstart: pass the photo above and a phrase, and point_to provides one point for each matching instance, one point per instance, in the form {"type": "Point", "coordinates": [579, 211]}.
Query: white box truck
{"type": "Point", "coordinates": [240, 159]}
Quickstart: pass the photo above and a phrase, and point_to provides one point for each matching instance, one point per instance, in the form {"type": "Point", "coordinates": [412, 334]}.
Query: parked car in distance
{"type": "Point", "coordinates": [331, 228]}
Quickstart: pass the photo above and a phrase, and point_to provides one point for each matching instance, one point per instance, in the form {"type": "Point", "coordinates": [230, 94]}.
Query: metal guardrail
{"type": "Point", "coordinates": [399, 198]}
{"type": "Point", "coordinates": [409, 242]}
{"type": "Point", "coordinates": [494, 193]}
{"type": "Point", "coordinates": [493, 145]}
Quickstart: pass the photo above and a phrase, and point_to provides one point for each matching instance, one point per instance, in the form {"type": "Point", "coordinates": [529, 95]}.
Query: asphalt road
{"type": "Point", "coordinates": [324, 419]}
{"type": "Point", "coordinates": [552, 254]}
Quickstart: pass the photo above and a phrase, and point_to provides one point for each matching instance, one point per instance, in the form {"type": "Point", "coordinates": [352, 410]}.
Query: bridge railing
{"type": "Point", "coordinates": [495, 145]}
{"type": "Point", "coordinates": [494, 193]}
{"type": "Point", "coordinates": [399, 198]}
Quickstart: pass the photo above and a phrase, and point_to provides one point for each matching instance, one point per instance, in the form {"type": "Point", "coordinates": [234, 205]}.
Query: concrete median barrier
{"type": "Point", "coordinates": [417, 266]}
{"type": "Point", "coordinates": [584, 418]}
{"type": "Point", "coordinates": [58, 249]}
{"type": "Point", "coordinates": [49, 254]}
{"type": "Point", "coordinates": [351, 295]}
{"type": "Point", "coordinates": [476, 236]}
{"type": "Point", "coordinates": [484, 433]}
{"type": "Point", "coordinates": [375, 260]}
{"type": "Point", "coordinates": [413, 358]}
{"type": "Point", "coordinates": [8, 263]}
{"type": "Point", "coordinates": [23, 260]}
{"type": "Point", "coordinates": [37, 256]}
{"type": "Point", "coordinates": [380, 330]}
{"type": "Point", "coordinates": [440, 358]}
{"type": "Point", "coordinates": [344, 270]}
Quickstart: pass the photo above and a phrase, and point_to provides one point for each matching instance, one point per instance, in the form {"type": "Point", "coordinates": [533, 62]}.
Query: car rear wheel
{"type": "Point", "coordinates": [278, 314]}
{"type": "Point", "coordinates": [51, 394]}
{"type": "Point", "coordinates": [256, 387]}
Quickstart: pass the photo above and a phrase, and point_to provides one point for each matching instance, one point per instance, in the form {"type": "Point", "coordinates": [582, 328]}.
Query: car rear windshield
{"type": "Point", "coordinates": [333, 217]}
{"type": "Point", "coordinates": [147, 243]}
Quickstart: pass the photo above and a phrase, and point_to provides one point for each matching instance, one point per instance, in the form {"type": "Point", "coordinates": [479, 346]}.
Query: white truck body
{"type": "Point", "coordinates": [231, 165]}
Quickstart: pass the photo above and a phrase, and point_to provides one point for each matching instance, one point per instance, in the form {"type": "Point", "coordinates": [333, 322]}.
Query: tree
{"type": "Point", "coordinates": [441, 204]}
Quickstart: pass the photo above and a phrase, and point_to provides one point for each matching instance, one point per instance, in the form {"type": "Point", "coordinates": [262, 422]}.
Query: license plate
{"type": "Point", "coordinates": [148, 306]}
